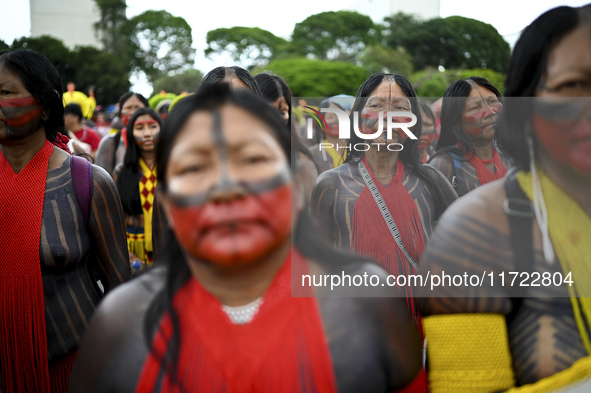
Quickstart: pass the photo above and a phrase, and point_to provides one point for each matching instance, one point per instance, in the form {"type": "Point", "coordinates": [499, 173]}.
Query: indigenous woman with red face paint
{"type": "Point", "coordinates": [536, 222]}
{"type": "Point", "coordinates": [136, 182]}
{"type": "Point", "coordinates": [467, 151]}
{"type": "Point", "coordinates": [111, 150]}
{"type": "Point", "coordinates": [219, 316]}
{"type": "Point", "coordinates": [61, 228]}
{"type": "Point", "coordinates": [414, 195]}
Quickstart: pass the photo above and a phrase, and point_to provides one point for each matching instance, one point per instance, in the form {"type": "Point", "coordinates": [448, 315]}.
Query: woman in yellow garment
{"type": "Point", "coordinates": [136, 182]}
{"type": "Point", "coordinates": [485, 339]}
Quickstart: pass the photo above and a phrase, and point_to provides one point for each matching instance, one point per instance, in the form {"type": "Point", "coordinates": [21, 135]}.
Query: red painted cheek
{"type": "Point", "coordinates": [471, 124]}
{"type": "Point", "coordinates": [125, 119]}
{"type": "Point", "coordinates": [25, 118]}
{"type": "Point", "coordinates": [333, 129]}
{"type": "Point", "coordinates": [28, 109]}
{"type": "Point", "coordinates": [566, 141]}
{"type": "Point", "coordinates": [237, 232]}
{"type": "Point", "coordinates": [425, 141]}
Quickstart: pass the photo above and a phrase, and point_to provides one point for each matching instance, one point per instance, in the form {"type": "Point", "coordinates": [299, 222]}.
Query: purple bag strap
{"type": "Point", "coordinates": [82, 182]}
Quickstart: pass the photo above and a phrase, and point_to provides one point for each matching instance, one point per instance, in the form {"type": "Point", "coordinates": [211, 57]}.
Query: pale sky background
{"type": "Point", "coordinates": [280, 17]}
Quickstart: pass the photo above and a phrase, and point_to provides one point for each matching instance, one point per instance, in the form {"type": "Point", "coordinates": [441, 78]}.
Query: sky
{"type": "Point", "coordinates": [279, 17]}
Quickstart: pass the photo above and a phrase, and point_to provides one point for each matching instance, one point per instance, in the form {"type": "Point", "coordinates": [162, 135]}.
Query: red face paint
{"type": "Point", "coordinates": [426, 140]}
{"type": "Point", "coordinates": [566, 141]}
{"type": "Point", "coordinates": [333, 129]}
{"type": "Point", "coordinates": [236, 232]}
{"type": "Point", "coordinates": [125, 119]}
{"type": "Point", "coordinates": [475, 123]}
{"type": "Point", "coordinates": [145, 122]}
{"type": "Point", "coordinates": [20, 112]}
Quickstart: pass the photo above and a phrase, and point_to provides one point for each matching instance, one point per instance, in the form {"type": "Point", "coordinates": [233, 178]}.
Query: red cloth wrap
{"type": "Point", "coordinates": [371, 236]}
{"type": "Point", "coordinates": [283, 349]}
{"type": "Point", "coordinates": [484, 174]}
{"type": "Point", "coordinates": [23, 337]}
{"type": "Point", "coordinates": [418, 385]}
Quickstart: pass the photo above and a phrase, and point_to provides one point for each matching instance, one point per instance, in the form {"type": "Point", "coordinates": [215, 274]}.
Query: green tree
{"type": "Point", "coordinates": [4, 45]}
{"type": "Point", "coordinates": [161, 43]}
{"type": "Point", "coordinates": [452, 42]}
{"type": "Point", "coordinates": [187, 80]}
{"type": "Point", "coordinates": [433, 83]}
{"type": "Point", "coordinates": [397, 28]}
{"type": "Point", "coordinates": [109, 27]}
{"type": "Point", "coordinates": [53, 49]}
{"type": "Point", "coordinates": [101, 71]}
{"type": "Point", "coordinates": [318, 78]}
{"type": "Point", "coordinates": [377, 58]}
{"type": "Point", "coordinates": [334, 35]}
{"type": "Point", "coordinates": [249, 46]}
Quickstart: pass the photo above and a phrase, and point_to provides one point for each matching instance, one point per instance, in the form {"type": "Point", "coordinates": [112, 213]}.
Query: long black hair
{"type": "Point", "coordinates": [452, 110]}
{"type": "Point", "coordinates": [43, 81]}
{"type": "Point", "coordinates": [130, 175]}
{"type": "Point", "coordinates": [410, 153]}
{"type": "Point", "coordinates": [306, 239]}
{"type": "Point", "coordinates": [527, 66]}
{"type": "Point", "coordinates": [218, 74]}
{"type": "Point", "coordinates": [274, 87]}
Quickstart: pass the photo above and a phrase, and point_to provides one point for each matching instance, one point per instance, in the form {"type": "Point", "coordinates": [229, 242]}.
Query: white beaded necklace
{"type": "Point", "coordinates": [241, 315]}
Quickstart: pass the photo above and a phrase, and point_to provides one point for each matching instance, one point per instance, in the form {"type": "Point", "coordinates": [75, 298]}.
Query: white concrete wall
{"type": "Point", "coordinates": [71, 21]}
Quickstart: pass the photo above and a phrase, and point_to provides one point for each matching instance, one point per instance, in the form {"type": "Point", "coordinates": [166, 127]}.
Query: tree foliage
{"type": "Point", "coordinates": [433, 83]}
{"type": "Point", "coordinates": [86, 66]}
{"type": "Point", "coordinates": [378, 58]}
{"type": "Point", "coordinates": [4, 45]}
{"type": "Point", "coordinates": [244, 44]}
{"type": "Point", "coordinates": [161, 43]}
{"type": "Point", "coordinates": [100, 71]}
{"type": "Point", "coordinates": [53, 49]}
{"type": "Point", "coordinates": [452, 42]}
{"type": "Point", "coordinates": [109, 27]}
{"type": "Point", "coordinates": [187, 80]}
{"type": "Point", "coordinates": [318, 78]}
{"type": "Point", "coordinates": [334, 35]}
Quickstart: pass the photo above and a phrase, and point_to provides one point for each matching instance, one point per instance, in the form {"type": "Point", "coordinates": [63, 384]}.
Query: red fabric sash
{"type": "Point", "coordinates": [418, 385]}
{"type": "Point", "coordinates": [371, 236]}
{"type": "Point", "coordinates": [485, 175]}
{"type": "Point", "coordinates": [283, 349]}
{"type": "Point", "coordinates": [23, 337]}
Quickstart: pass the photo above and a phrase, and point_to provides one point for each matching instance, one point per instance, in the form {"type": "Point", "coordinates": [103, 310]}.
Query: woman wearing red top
{"type": "Point", "coordinates": [219, 316]}
{"type": "Point", "coordinates": [53, 244]}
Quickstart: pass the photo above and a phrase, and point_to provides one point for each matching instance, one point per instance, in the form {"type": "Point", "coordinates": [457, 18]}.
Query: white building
{"type": "Point", "coordinates": [71, 21]}
{"type": "Point", "coordinates": [378, 9]}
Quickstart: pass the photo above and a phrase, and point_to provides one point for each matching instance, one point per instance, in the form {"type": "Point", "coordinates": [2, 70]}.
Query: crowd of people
{"type": "Point", "coordinates": [170, 254]}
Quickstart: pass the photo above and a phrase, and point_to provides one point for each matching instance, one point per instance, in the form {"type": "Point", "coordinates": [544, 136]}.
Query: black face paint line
{"type": "Point", "coordinates": [251, 188]}
{"type": "Point", "coordinates": [225, 184]}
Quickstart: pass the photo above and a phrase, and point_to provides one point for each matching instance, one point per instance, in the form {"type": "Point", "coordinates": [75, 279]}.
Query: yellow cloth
{"type": "Point", "coordinates": [468, 353]}
{"type": "Point", "coordinates": [337, 158]}
{"type": "Point", "coordinates": [87, 104]}
{"type": "Point", "coordinates": [136, 243]}
{"type": "Point", "coordinates": [579, 370]}
{"type": "Point", "coordinates": [147, 187]}
{"type": "Point", "coordinates": [570, 231]}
